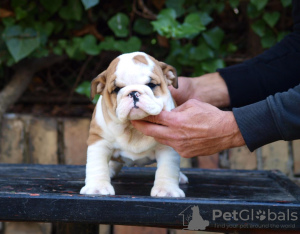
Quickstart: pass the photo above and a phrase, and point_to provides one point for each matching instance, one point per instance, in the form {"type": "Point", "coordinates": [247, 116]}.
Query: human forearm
{"type": "Point", "coordinates": [209, 88]}
{"type": "Point", "coordinates": [273, 119]}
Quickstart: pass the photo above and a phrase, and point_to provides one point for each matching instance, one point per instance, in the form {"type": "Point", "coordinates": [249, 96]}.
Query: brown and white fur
{"type": "Point", "coordinates": [134, 86]}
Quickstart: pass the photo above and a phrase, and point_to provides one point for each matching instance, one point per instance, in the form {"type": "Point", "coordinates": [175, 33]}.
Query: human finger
{"type": "Point", "coordinates": [188, 104]}
{"type": "Point", "coordinates": [150, 129]}
{"type": "Point", "coordinates": [164, 118]}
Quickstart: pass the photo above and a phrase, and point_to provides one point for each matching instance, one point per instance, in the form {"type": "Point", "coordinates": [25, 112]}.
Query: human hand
{"type": "Point", "coordinates": [193, 129]}
{"type": "Point", "coordinates": [210, 88]}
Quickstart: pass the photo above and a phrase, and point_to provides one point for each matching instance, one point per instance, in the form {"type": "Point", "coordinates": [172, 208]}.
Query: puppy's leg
{"type": "Point", "coordinates": [97, 172]}
{"type": "Point", "coordinates": [166, 182]}
{"type": "Point", "coordinates": [114, 168]}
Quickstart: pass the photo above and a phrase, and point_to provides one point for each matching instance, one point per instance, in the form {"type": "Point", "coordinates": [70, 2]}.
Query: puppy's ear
{"type": "Point", "coordinates": [170, 74]}
{"type": "Point", "coordinates": [98, 84]}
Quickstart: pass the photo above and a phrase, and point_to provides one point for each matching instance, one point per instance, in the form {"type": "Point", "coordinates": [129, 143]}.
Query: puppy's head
{"type": "Point", "coordinates": [135, 85]}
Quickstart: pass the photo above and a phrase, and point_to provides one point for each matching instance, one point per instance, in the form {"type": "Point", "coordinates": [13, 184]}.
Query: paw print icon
{"type": "Point", "coordinates": [261, 215]}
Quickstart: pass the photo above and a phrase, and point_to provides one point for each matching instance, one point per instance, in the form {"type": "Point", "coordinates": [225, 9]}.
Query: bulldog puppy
{"type": "Point", "coordinates": [134, 86]}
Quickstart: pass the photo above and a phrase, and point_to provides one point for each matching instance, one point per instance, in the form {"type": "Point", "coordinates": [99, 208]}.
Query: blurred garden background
{"type": "Point", "coordinates": [66, 43]}
{"type": "Point", "coordinates": [51, 50]}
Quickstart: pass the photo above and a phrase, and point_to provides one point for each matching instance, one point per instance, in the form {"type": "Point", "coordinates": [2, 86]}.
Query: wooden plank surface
{"type": "Point", "coordinates": [50, 193]}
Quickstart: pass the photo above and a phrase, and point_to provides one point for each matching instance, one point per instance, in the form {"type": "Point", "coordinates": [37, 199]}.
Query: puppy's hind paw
{"type": "Point", "coordinates": [102, 188]}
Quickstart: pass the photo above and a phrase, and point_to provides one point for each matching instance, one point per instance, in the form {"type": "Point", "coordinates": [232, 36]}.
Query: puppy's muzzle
{"type": "Point", "coordinates": [135, 96]}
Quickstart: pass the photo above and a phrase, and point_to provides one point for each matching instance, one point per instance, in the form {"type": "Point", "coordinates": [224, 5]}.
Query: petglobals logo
{"type": "Point", "coordinates": [254, 215]}
{"type": "Point", "coordinates": [192, 219]}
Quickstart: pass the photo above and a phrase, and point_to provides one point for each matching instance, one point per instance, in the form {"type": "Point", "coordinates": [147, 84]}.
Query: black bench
{"type": "Point", "coordinates": [216, 200]}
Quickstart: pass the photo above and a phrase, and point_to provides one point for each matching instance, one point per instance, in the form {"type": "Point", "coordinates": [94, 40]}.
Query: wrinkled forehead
{"type": "Point", "coordinates": [134, 68]}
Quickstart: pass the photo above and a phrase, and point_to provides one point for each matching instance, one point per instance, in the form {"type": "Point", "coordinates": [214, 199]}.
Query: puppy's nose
{"type": "Point", "coordinates": [135, 95]}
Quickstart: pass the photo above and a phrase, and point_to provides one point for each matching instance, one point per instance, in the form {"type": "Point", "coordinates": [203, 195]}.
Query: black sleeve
{"type": "Point", "coordinates": [276, 70]}
{"type": "Point", "coordinates": [275, 118]}
{"type": "Point", "coordinates": [267, 91]}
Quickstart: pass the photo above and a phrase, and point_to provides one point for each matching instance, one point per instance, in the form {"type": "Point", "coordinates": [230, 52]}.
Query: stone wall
{"type": "Point", "coordinates": [29, 139]}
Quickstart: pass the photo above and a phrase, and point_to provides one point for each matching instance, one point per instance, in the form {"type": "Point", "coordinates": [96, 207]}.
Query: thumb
{"type": "Point", "coordinates": [163, 118]}
{"type": "Point", "coordinates": [191, 103]}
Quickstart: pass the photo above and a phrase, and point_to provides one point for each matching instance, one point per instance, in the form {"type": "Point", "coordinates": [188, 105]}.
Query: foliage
{"type": "Point", "coordinates": [264, 22]}
{"type": "Point", "coordinates": [181, 31]}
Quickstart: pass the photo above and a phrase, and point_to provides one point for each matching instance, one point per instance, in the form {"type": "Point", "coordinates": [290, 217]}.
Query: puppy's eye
{"type": "Point", "coordinates": [151, 85]}
{"type": "Point", "coordinates": [116, 90]}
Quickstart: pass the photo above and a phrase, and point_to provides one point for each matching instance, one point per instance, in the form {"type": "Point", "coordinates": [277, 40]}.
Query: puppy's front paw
{"type": "Point", "coordinates": [102, 188]}
{"type": "Point", "coordinates": [166, 190]}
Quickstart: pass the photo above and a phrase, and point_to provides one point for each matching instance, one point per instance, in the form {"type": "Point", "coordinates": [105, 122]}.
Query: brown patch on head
{"type": "Point", "coordinates": [109, 98]}
{"type": "Point", "coordinates": [103, 83]}
{"type": "Point", "coordinates": [167, 71]}
{"type": "Point", "coordinates": [99, 83]}
{"type": "Point", "coordinates": [159, 75]}
{"type": "Point", "coordinates": [140, 59]}
{"type": "Point", "coordinates": [112, 69]}
{"type": "Point", "coordinates": [170, 74]}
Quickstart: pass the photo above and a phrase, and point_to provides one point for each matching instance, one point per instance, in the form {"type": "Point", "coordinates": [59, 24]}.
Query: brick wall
{"type": "Point", "coordinates": [28, 139]}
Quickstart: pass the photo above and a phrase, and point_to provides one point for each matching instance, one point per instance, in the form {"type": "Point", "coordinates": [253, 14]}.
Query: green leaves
{"type": "Point", "coordinates": [268, 40]}
{"type": "Point", "coordinates": [286, 3]}
{"type": "Point", "coordinates": [89, 3]}
{"type": "Point", "coordinates": [281, 35]}
{"type": "Point", "coordinates": [73, 11]}
{"type": "Point", "coordinates": [85, 88]}
{"type": "Point", "coordinates": [252, 11]}
{"type": "Point", "coordinates": [143, 26]}
{"type": "Point", "coordinates": [259, 4]}
{"type": "Point", "coordinates": [214, 37]}
{"type": "Point", "coordinates": [89, 45]}
{"type": "Point", "coordinates": [271, 18]}
{"type": "Point", "coordinates": [18, 3]}
{"type": "Point", "coordinates": [212, 65]}
{"type": "Point", "coordinates": [177, 5]}
{"type": "Point", "coordinates": [205, 19]}
{"type": "Point", "coordinates": [54, 5]}
{"type": "Point", "coordinates": [131, 45]}
{"type": "Point", "coordinates": [201, 52]}
{"type": "Point", "coordinates": [20, 13]}
{"type": "Point", "coordinates": [73, 48]}
{"type": "Point", "coordinates": [188, 38]}
{"type": "Point", "coordinates": [119, 24]}
{"type": "Point", "coordinates": [78, 47]}
{"type": "Point", "coordinates": [20, 42]}
{"type": "Point", "coordinates": [201, 57]}
{"type": "Point", "coordinates": [264, 27]}
{"type": "Point", "coordinates": [259, 27]}
{"type": "Point", "coordinates": [191, 26]}
{"type": "Point", "coordinates": [167, 25]}
{"type": "Point", "coordinates": [234, 3]}
{"type": "Point", "coordinates": [51, 6]}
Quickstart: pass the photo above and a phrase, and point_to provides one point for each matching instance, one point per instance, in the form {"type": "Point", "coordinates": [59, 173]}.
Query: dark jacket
{"type": "Point", "coordinates": [265, 91]}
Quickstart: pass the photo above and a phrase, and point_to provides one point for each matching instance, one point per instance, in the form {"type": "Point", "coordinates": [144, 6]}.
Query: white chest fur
{"type": "Point", "coordinates": [125, 139]}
